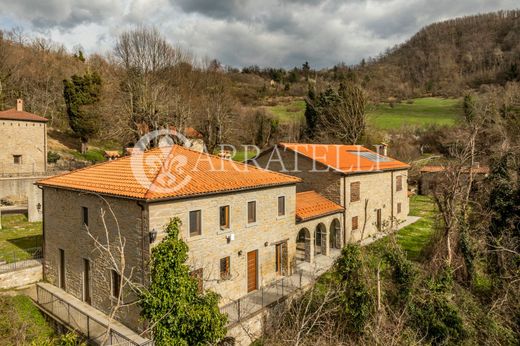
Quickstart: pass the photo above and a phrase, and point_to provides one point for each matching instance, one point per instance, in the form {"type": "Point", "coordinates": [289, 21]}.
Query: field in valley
{"type": "Point", "coordinates": [416, 112]}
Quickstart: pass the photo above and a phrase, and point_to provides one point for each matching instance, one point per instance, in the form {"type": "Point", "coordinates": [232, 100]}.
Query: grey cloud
{"type": "Point", "coordinates": [244, 32]}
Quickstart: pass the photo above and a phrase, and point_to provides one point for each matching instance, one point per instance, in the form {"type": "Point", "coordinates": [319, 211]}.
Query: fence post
{"type": "Point", "coordinates": [88, 327]}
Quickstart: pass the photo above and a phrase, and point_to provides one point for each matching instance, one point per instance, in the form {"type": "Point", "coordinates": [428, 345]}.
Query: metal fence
{"type": "Point", "coordinates": [94, 330]}
{"type": "Point", "coordinates": [255, 301]}
{"type": "Point", "coordinates": [15, 260]}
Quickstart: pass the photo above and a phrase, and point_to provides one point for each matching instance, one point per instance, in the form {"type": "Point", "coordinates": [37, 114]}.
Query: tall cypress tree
{"type": "Point", "coordinates": [82, 95]}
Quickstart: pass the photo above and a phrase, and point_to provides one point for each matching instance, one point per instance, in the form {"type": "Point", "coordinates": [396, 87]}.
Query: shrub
{"type": "Point", "coordinates": [53, 157]}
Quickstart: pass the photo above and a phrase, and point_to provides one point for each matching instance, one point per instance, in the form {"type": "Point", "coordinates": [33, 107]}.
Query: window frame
{"type": "Point", "coordinates": [115, 285]}
{"type": "Point", "coordinates": [84, 216]}
{"type": "Point", "coordinates": [352, 223]}
{"type": "Point", "coordinates": [249, 222]}
{"type": "Point", "coordinates": [352, 196]}
{"type": "Point", "coordinates": [226, 274]}
{"type": "Point", "coordinates": [284, 212]}
{"type": "Point", "coordinates": [227, 223]}
{"type": "Point", "coordinates": [399, 183]}
{"type": "Point", "coordinates": [192, 234]}
{"type": "Point", "coordinates": [17, 159]}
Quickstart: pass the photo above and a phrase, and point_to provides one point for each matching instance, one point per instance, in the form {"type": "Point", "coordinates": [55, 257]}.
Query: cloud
{"type": "Point", "coordinates": [245, 32]}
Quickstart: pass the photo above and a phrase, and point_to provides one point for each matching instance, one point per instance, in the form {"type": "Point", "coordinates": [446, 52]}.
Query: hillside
{"type": "Point", "coordinates": [448, 57]}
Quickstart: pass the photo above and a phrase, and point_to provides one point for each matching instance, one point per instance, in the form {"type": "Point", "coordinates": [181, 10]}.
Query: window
{"type": "Point", "coordinates": [225, 271]}
{"type": "Point", "coordinates": [399, 183]}
{"type": "Point", "coordinates": [224, 216]}
{"type": "Point", "coordinates": [355, 191]}
{"type": "Point", "coordinates": [281, 206]}
{"type": "Point", "coordinates": [251, 212]}
{"type": "Point", "coordinates": [354, 223]}
{"type": "Point", "coordinates": [61, 270]}
{"type": "Point", "coordinates": [17, 159]}
{"type": "Point", "coordinates": [116, 284]}
{"type": "Point", "coordinates": [198, 275]}
{"type": "Point", "coordinates": [195, 228]}
{"type": "Point", "coordinates": [84, 214]}
{"type": "Point", "coordinates": [398, 208]}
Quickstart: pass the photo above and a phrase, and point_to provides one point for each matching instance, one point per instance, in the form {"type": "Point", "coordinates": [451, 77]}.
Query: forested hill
{"type": "Point", "coordinates": [448, 57]}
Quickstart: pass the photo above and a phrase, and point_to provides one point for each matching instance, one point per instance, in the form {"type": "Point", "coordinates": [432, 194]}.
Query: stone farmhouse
{"type": "Point", "coordinates": [23, 156]}
{"type": "Point", "coordinates": [245, 226]}
{"type": "Point", "coordinates": [371, 188]}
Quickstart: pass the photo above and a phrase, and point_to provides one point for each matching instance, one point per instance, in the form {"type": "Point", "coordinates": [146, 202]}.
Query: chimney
{"type": "Point", "coordinates": [19, 105]}
{"type": "Point", "coordinates": [382, 149]}
{"type": "Point", "coordinates": [385, 149]}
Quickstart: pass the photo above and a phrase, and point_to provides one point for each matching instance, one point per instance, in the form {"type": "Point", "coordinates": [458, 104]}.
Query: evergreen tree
{"type": "Point", "coordinates": [82, 95]}
{"type": "Point", "coordinates": [311, 115]}
{"type": "Point", "coordinates": [178, 312]}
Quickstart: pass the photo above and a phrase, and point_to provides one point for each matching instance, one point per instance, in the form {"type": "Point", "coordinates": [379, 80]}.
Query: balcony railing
{"type": "Point", "coordinates": [95, 331]}
{"type": "Point", "coordinates": [271, 294]}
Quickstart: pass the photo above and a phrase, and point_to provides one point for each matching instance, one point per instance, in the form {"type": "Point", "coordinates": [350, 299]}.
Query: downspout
{"type": "Point", "coordinates": [43, 230]}
{"type": "Point", "coordinates": [392, 200]}
{"type": "Point", "coordinates": [345, 211]}
{"type": "Point", "coordinates": [144, 217]}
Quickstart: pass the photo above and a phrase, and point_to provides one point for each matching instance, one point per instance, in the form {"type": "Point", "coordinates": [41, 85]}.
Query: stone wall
{"type": "Point", "coordinates": [25, 138]}
{"type": "Point", "coordinates": [207, 249]}
{"type": "Point", "coordinates": [22, 277]}
{"type": "Point", "coordinates": [315, 176]}
{"type": "Point", "coordinates": [375, 193]}
{"type": "Point", "coordinates": [63, 229]}
{"type": "Point", "coordinates": [24, 187]}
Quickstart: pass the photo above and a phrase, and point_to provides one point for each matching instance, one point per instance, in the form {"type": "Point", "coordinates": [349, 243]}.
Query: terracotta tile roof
{"type": "Point", "coordinates": [436, 169]}
{"type": "Point", "coordinates": [169, 172]}
{"type": "Point", "coordinates": [346, 158]}
{"type": "Point", "coordinates": [311, 204]}
{"type": "Point", "coordinates": [13, 114]}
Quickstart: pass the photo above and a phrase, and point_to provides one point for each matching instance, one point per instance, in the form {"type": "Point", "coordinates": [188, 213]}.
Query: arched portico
{"type": "Point", "coordinates": [335, 235]}
{"type": "Point", "coordinates": [303, 245]}
{"type": "Point", "coordinates": [320, 240]}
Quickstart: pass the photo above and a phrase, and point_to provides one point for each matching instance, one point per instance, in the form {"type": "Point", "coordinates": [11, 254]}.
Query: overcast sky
{"type": "Point", "coordinates": [281, 33]}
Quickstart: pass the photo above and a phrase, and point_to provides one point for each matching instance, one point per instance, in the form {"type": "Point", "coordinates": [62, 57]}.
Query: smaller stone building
{"type": "Point", "coordinates": [433, 176]}
{"type": "Point", "coordinates": [23, 142]}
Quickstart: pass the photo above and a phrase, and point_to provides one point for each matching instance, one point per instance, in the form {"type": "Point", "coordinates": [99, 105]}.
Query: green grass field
{"type": "Point", "coordinates": [18, 235]}
{"type": "Point", "coordinates": [423, 111]}
{"type": "Point", "coordinates": [415, 237]}
{"type": "Point", "coordinates": [416, 112]}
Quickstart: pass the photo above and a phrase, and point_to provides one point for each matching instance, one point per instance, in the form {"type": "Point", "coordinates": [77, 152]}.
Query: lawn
{"type": "Point", "coordinates": [21, 323]}
{"type": "Point", "coordinates": [17, 236]}
{"type": "Point", "coordinates": [416, 112]}
{"type": "Point", "coordinates": [289, 112]}
{"type": "Point", "coordinates": [419, 112]}
{"type": "Point", "coordinates": [414, 237]}
{"type": "Point", "coordinates": [242, 155]}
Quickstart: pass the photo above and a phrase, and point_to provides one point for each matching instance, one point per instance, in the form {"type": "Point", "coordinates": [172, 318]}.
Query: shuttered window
{"type": "Point", "coordinates": [355, 191]}
{"type": "Point", "coordinates": [398, 208]}
{"type": "Point", "coordinates": [281, 205]}
{"type": "Point", "coordinates": [251, 212]}
{"type": "Point", "coordinates": [224, 216]}
{"type": "Point", "coordinates": [354, 223]}
{"type": "Point", "coordinates": [198, 275]}
{"type": "Point", "coordinates": [195, 223]}
{"type": "Point", "coordinates": [84, 213]}
{"type": "Point", "coordinates": [225, 271]}
{"type": "Point", "coordinates": [399, 183]}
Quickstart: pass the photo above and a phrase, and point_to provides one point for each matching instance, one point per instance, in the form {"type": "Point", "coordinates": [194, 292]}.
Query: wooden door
{"type": "Point", "coordinates": [378, 220]}
{"type": "Point", "coordinates": [61, 269]}
{"type": "Point", "coordinates": [252, 270]}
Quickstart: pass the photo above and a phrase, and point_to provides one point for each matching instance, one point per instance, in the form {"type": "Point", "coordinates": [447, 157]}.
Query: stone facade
{"type": "Point", "coordinates": [207, 249]}
{"type": "Point", "coordinates": [64, 229]}
{"type": "Point", "coordinates": [377, 190]}
{"type": "Point", "coordinates": [26, 140]}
